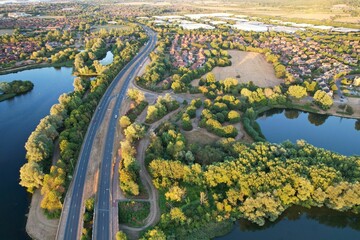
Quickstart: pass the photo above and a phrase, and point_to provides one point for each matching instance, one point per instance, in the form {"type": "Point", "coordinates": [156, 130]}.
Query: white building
{"type": "Point", "coordinates": [285, 29]}
{"type": "Point", "coordinates": [208, 15]}
{"type": "Point", "coordinates": [192, 26]}
{"type": "Point", "coordinates": [250, 27]}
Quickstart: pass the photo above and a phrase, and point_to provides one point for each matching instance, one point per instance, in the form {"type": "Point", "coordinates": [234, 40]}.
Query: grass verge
{"type": "Point", "coordinates": [133, 213]}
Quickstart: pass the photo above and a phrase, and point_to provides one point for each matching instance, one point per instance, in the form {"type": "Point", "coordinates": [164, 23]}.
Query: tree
{"type": "Point", "coordinates": [234, 116]}
{"type": "Point", "coordinates": [134, 131]}
{"type": "Point", "coordinates": [31, 176]}
{"type": "Point", "coordinates": [210, 78]}
{"type": "Point", "coordinates": [175, 194]}
{"type": "Point", "coordinates": [120, 235]}
{"type": "Point", "coordinates": [322, 99]}
{"type": "Point", "coordinates": [124, 121]}
{"type": "Point", "coordinates": [177, 215]}
{"type": "Point", "coordinates": [136, 95]}
{"type": "Point", "coordinates": [38, 147]}
{"type": "Point", "coordinates": [297, 91]}
{"type": "Point", "coordinates": [186, 122]}
{"type": "Point", "coordinates": [154, 234]}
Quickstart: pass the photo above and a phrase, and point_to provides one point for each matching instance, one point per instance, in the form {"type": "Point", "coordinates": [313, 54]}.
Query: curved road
{"type": "Point", "coordinates": [74, 199]}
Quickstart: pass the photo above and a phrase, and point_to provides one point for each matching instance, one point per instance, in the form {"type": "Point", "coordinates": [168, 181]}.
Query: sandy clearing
{"type": "Point", "coordinates": [250, 66]}
{"type": "Point", "coordinates": [38, 226]}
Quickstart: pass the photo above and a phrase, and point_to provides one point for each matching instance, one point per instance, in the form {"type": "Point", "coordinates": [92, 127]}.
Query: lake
{"type": "Point", "coordinates": [18, 118]}
{"type": "Point", "coordinates": [297, 223]}
{"type": "Point", "coordinates": [333, 133]}
{"type": "Point", "coordinates": [108, 59]}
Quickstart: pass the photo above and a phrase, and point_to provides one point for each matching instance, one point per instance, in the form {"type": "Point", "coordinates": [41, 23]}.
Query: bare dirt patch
{"type": "Point", "coordinates": [38, 226]}
{"type": "Point", "coordinates": [200, 135]}
{"type": "Point", "coordinates": [249, 66]}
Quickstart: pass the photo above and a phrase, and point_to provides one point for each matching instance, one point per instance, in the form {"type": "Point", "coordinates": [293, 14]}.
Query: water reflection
{"type": "Point", "coordinates": [292, 114]}
{"type": "Point", "coordinates": [317, 119]}
{"type": "Point", "coordinates": [299, 223]}
{"type": "Point", "coordinates": [322, 215]}
{"type": "Point", "coordinates": [323, 131]}
{"type": "Point", "coordinates": [357, 125]}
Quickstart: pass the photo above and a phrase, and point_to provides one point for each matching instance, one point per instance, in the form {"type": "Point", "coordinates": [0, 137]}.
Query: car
{"type": "Point", "coordinates": [115, 116]}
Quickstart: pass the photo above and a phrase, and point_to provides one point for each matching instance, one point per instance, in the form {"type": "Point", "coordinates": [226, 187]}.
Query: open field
{"type": "Point", "coordinates": [297, 13]}
{"type": "Point", "coordinates": [6, 31]}
{"type": "Point", "coordinates": [249, 66]}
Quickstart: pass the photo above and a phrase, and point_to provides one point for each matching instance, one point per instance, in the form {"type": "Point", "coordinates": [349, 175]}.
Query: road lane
{"type": "Point", "coordinates": [73, 202]}
{"type": "Point", "coordinates": [102, 221]}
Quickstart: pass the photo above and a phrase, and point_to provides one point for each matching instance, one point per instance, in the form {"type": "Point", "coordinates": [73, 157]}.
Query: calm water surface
{"type": "Point", "coordinates": [333, 133]}
{"type": "Point", "coordinates": [297, 223]}
{"type": "Point", "coordinates": [18, 118]}
{"type": "Point", "coordinates": [108, 59]}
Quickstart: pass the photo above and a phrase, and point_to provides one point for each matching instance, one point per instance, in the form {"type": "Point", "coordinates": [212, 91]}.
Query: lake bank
{"type": "Point", "coordinates": [35, 66]}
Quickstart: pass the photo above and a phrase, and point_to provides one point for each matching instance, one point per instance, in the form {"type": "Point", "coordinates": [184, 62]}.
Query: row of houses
{"type": "Point", "coordinates": [185, 54]}
{"type": "Point", "coordinates": [304, 57]}
{"type": "Point", "coordinates": [40, 23]}
{"type": "Point", "coordinates": [13, 51]}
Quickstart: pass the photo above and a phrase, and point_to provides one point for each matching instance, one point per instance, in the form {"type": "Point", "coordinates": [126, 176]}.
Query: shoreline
{"type": "Point", "coordinates": [35, 66]}
{"type": "Point", "coordinates": [330, 112]}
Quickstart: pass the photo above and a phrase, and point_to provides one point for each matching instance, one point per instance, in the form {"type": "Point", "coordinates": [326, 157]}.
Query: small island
{"type": "Point", "coordinates": [9, 90]}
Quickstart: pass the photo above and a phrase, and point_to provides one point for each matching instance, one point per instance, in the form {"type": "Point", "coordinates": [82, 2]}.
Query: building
{"type": "Point", "coordinates": [18, 14]}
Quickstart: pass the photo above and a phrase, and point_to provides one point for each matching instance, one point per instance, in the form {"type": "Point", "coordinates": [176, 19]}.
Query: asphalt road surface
{"type": "Point", "coordinates": [101, 229]}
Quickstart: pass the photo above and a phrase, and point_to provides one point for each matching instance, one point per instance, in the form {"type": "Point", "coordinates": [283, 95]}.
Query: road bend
{"type": "Point", "coordinates": [70, 225]}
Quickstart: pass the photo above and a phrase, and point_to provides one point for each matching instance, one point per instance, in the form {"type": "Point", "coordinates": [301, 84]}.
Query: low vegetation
{"type": "Point", "coordinates": [133, 213]}
{"type": "Point", "coordinates": [256, 181]}
{"type": "Point", "coordinates": [88, 219]}
{"type": "Point", "coordinates": [163, 106]}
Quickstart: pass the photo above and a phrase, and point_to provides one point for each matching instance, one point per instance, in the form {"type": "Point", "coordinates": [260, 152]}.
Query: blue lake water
{"type": "Point", "coordinates": [333, 133]}
{"type": "Point", "coordinates": [18, 118]}
{"type": "Point", "coordinates": [108, 59]}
